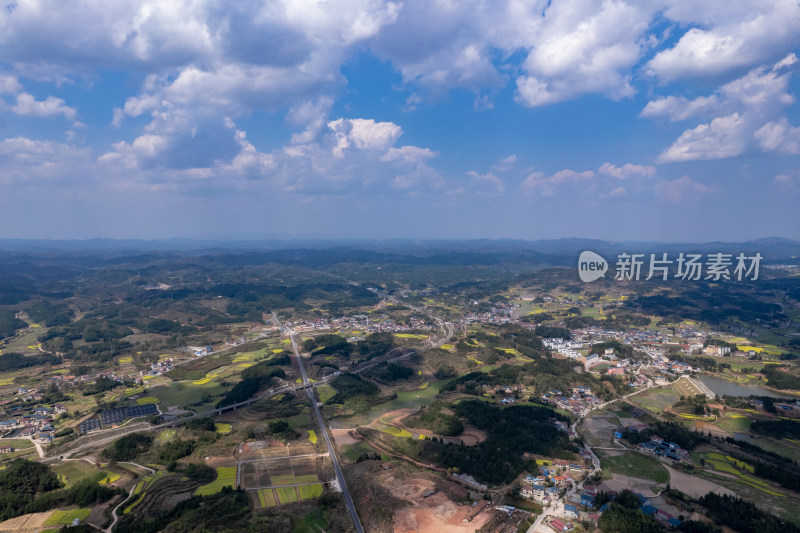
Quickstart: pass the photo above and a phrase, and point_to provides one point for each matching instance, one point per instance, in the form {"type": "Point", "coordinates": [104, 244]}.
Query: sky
{"type": "Point", "coordinates": [620, 120]}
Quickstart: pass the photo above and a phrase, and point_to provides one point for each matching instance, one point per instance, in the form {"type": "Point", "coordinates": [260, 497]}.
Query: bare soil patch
{"type": "Point", "coordinates": [694, 486]}
{"type": "Point", "coordinates": [343, 437]}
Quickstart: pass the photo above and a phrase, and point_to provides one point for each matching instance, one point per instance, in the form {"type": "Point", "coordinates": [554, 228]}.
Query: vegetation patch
{"type": "Point", "coordinates": [286, 494]}
{"type": "Point", "coordinates": [308, 492]}
{"type": "Point", "coordinates": [226, 477]}
{"type": "Point", "coordinates": [65, 518]}
{"type": "Point", "coordinates": [147, 400]}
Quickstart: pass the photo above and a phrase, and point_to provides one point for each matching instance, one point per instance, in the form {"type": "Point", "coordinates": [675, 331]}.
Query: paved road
{"type": "Point", "coordinates": [348, 500]}
{"type": "Point", "coordinates": [94, 439]}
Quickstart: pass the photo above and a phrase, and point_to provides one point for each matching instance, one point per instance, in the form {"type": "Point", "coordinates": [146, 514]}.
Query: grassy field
{"type": "Point", "coordinates": [109, 478]}
{"type": "Point", "coordinates": [267, 498]}
{"type": "Point", "coordinates": [226, 476]}
{"type": "Point", "coordinates": [75, 471]}
{"type": "Point", "coordinates": [222, 428]}
{"type": "Point", "coordinates": [656, 400]}
{"type": "Point", "coordinates": [65, 518]}
{"type": "Point", "coordinates": [397, 432]}
{"type": "Point", "coordinates": [352, 451]}
{"type": "Point", "coordinates": [405, 399]}
{"type": "Point", "coordinates": [743, 472]}
{"type": "Point", "coordinates": [147, 400]}
{"type": "Point", "coordinates": [734, 422]}
{"type": "Point", "coordinates": [634, 465]}
{"type": "Point", "coordinates": [164, 436]}
{"type": "Point", "coordinates": [185, 393]}
{"type": "Point", "coordinates": [308, 492]}
{"type": "Point", "coordinates": [782, 447]}
{"type": "Point", "coordinates": [286, 494]}
{"type": "Point", "coordinates": [18, 444]}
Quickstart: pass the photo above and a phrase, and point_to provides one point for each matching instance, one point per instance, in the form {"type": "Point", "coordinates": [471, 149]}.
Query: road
{"type": "Point", "coordinates": [407, 351]}
{"type": "Point", "coordinates": [348, 500]}
{"type": "Point", "coordinates": [557, 507]}
{"type": "Point", "coordinates": [95, 439]}
{"type": "Point", "coordinates": [110, 528]}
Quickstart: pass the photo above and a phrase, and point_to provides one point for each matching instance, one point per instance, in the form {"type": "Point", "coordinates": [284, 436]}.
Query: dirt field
{"type": "Point", "coordinates": [270, 450]}
{"type": "Point", "coordinates": [598, 429]}
{"type": "Point", "coordinates": [25, 523]}
{"type": "Point", "coordinates": [715, 430]}
{"type": "Point", "coordinates": [693, 485]}
{"type": "Point", "coordinates": [343, 437]}
{"type": "Point", "coordinates": [619, 483]}
{"type": "Point", "coordinates": [434, 513]}
{"type": "Point", "coordinates": [218, 461]}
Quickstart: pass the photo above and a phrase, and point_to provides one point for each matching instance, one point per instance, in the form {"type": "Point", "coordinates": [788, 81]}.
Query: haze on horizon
{"type": "Point", "coordinates": [368, 119]}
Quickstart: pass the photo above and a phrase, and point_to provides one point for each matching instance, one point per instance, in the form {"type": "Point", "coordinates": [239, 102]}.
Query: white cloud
{"type": "Point", "coordinates": [28, 105]}
{"type": "Point", "coordinates": [312, 116]}
{"type": "Point", "coordinates": [363, 134]}
{"type": "Point", "coordinates": [723, 137]}
{"type": "Point", "coordinates": [347, 154]}
{"type": "Point", "coordinates": [584, 47]}
{"type": "Point", "coordinates": [488, 182]}
{"type": "Point", "coordinates": [616, 192]}
{"type": "Point", "coordinates": [747, 116]}
{"type": "Point", "coordinates": [779, 137]}
{"type": "Point", "coordinates": [9, 85]}
{"type": "Point", "coordinates": [726, 37]}
{"type": "Point", "coordinates": [33, 162]}
{"type": "Point", "coordinates": [681, 190]}
{"type": "Point", "coordinates": [505, 164]}
{"type": "Point", "coordinates": [627, 170]}
{"type": "Point", "coordinates": [680, 108]}
{"type": "Point", "coordinates": [540, 183]}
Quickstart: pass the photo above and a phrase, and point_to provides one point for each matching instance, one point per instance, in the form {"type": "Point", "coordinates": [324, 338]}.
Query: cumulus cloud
{"type": "Point", "coordinates": [33, 162]}
{"type": "Point", "coordinates": [627, 170]}
{"type": "Point", "coordinates": [746, 116]}
{"type": "Point", "coordinates": [680, 108]}
{"type": "Point", "coordinates": [486, 183]}
{"type": "Point", "coordinates": [723, 137]}
{"type": "Point", "coordinates": [726, 37]}
{"type": "Point", "coordinates": [584, 47]}
{"type": "Point", "coordinates": [9, 85]}
{"type": "Point", "coordinates": [348, 154]}
{"type": "Point", "coordinates": [606, 178]}
{"type": "Point", "coordinates": [779, 137]}
{"type": "Point", "coordinates": [51, 106]}
{"type": "Point", "coordinates": [544, 185]}
{"type": "Point", "coordinates": [681, 190]}
{"type": "Point", "coordinates": [363, 134]}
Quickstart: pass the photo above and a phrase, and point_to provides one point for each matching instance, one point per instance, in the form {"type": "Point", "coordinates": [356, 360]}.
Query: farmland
{"type": "Point", "coordinates": [226, 477]}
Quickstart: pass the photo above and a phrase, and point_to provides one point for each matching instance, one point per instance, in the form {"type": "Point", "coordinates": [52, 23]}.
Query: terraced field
{"type": "Point", "coordinates": [226, 477]}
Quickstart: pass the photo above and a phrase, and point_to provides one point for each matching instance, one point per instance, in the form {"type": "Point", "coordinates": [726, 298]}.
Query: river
{"type": "Point", "coordinates": [722, 387]}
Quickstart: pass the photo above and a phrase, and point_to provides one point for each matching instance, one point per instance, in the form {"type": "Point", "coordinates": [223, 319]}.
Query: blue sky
{"type": "Point", "coordinates": [422, 119]}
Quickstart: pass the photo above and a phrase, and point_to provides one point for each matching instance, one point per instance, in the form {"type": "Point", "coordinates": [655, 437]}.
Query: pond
{"type": "Point", "coordinates": [722, 387]}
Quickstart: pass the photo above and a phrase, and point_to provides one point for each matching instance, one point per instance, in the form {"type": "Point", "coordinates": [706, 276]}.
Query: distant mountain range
{"type": "Point", "coordinates": [547, 251]}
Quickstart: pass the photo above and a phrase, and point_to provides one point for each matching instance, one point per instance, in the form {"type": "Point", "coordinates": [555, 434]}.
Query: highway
{"type": "Point", "coordinates": [348, 500]}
